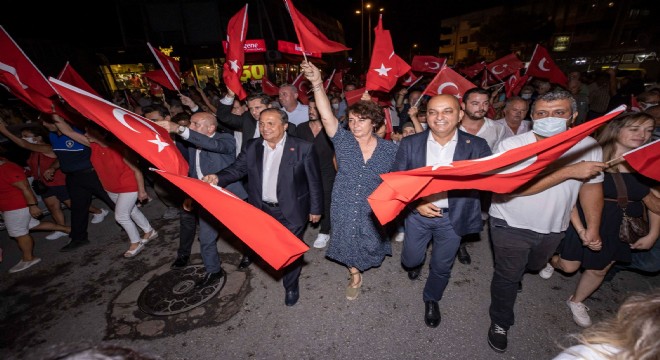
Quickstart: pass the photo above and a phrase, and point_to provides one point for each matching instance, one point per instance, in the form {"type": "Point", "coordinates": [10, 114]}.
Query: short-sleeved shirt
{"type": "Point", "coordinates": [43, 162]}
{"type": "Point", "coordinates": [491, 131]}
{"type": "Point", "coordinates": [11, 197]}
{"type": "Point", "coordinates": [548, 211]}
{"type": "Point", "coordinates": [73, 156]}
{"type": "Point", "coordinates": [299, 115]}
{"type": "Point", "coordinates": [115, 175]}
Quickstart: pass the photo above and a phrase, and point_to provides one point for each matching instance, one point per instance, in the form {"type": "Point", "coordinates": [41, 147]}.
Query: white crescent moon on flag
{"type": "Point", "coordinates": [408, 79]}
{"type": "Point", "coordinates": [512, 80]}
{"type": "Point", "coordinates": [119, 114]}
{"type": "Point", "coordinates": [494, 71]}
{"type": "Point", "coordinates": [437, 65]}
{"type": "Point", "coordinates": [443, 86]}
{"type": "Point", "coordinates": [542, 65]}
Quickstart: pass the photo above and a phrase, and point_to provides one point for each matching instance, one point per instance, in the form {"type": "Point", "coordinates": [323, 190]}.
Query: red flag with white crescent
{"type": "Point", "coordinates": [500, 173]}
{"type": "Point", "coordinates": [503, 67]}
{"type": "Point", "coordinates": [140, 134]}
{"type": "Point", "coordinates": [235, 54]}
{"type": "Point", "coordinates": [270, 239]}
{"type": "Point", "coordinates": [424, 63]}
{"type": "Point", "coordinates": [448, 81]}
{"type": "Point", "coordinates": [268, 87]}
{"type": "Point", "coordinates": [409, 79]}
{"type": "Point", "coordinates": [646, 159]}
{"type": "Point", "coordinates": [542, 66]}
{"type": "Point", "coordinates": [169, 66]}
{"type": "Point", "coordinates": [302, 85]}
{"type": "Point", "coordinates": [472, 70]}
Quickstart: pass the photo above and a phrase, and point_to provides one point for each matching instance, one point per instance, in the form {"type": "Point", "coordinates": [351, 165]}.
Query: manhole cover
{"type": "Point", "coordinates": [174, 292]}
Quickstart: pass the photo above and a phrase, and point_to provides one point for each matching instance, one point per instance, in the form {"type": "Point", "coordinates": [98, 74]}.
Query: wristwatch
{"type": "Point", "coordinates": [181, 130]}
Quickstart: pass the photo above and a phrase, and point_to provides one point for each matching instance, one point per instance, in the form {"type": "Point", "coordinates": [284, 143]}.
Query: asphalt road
{"type": "Point", "coordinates": [89, 297]}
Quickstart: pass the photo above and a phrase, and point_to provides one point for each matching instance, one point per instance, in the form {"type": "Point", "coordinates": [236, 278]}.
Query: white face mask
{"type": "Point", "coordinates": [335, 106]}
{"type": "Point", "coordinates": [549, 126]}
{"type": "Point", "coordinates": [647, 105]}
{"type": "Point", "coordinates": [30, 139]}
{"type": "Point", "coordinates": [526, 96]}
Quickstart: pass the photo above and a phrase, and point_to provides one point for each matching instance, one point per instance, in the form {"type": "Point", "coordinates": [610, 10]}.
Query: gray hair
{"type": "Point", "coordinates": [555, 96]}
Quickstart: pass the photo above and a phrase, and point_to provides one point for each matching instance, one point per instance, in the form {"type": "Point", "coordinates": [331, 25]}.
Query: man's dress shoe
{"type": "Point", "coordinates": [291, 297]}
{"type": "Point", "coordinates": [179, 263]}
{"type": "Point", "coordinates": [210, 279]}
{"type": "Point", "coordinates": [463, 255]}
{"type": "Point", "coordinates": [245, 262]}
{"type": "Point", "coordinates": [432, 313]}
{"type": "Point", "coordinates": [414, 272]}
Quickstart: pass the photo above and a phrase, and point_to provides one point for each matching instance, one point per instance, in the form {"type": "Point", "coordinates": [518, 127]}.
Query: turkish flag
{"type": "Point", "coordinates": [268, 87]}
{"type": "Point", "coordinates": [140, 134]}
{"type": "Point", "coordinates": [386, 67]}
{"type": "Point", "coordinates": [409, 79]}
{"type": "Point", "coordinates": [270, 239]}
{"type": "Point", "coordinates": [646, 159]}
{"type": "Point", "coordinates": [388, 122]}
{"type": "Point", "coordinates": [448, 81]}
{"type": "Point", "coordinates": [354, 96]}
{"type": "Point", "coordinates": [338, 79]}
{"type": "Point", "coordinates": [328, 81]}
{"type": "Point", "coordinates": [71, 76]}
{"type": "Point", "coordinates": [473, 70]}
{"type": "Point", "coordinates": [169, 66]}
{"type": "Point", "coordinates": [515, 83]}
{"type": "Point", "coordinates": [311, 39]}
{"type": "Point", "coordinates": [500, 173]}
{"type": "Point", "coordinates": [235, 56]}
{"type": "Point", "coordinates": [503, 67]}
{"type": "Point", "coordinates": [488, 79]}
{"type": "Point", "coordinates": [21, 76]}
{"type": "Point", "coordinates": [429, 64]}
{"type": "Point", "coordinates": [159, 77]}
{"type": "Point", "coordinates": [303, 88]}
{"type": "Point", "coordinates": [542, 66]}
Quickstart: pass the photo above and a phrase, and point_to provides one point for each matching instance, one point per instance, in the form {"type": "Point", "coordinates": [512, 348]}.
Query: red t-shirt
{"type": "Point", "coordinates": [11, 197]}
{"type": "Point", "coordinates": [44, 163]}
{"type": "Point", "coordinates": [113, 172]}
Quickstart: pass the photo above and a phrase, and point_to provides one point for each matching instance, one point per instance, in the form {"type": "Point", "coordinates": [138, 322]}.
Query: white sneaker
{"type": "Point", "coordinates": [56, 235]}
{"type": "Point", "coordinates": [399, 236]}
{"type": "Point", "coordinates": [149, 236]}
{"type": "Point", "coordinates": [321, 241]}
{"type": "Point", "coordinates": [547, 271]}
{"type": "Point", "coordinates": [579, 311]}
{"type": "Point", "coordinates": [22, 265]}
{"type": "Point", "coordinates": [97, 218]}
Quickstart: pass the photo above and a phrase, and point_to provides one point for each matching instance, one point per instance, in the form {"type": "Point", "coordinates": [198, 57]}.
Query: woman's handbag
{"type": "Point", "coordinates": [37, 185]}
{"type": "Point", "coordinates": [632, 228]}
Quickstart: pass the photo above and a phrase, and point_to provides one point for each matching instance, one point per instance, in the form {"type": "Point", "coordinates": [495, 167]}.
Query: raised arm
{"type": "Point", "coordinates": [66, 129]}
{"type": "Point", "coordinates": [313, 74]}
{"type": "Point", "coordinates": [42, 148]}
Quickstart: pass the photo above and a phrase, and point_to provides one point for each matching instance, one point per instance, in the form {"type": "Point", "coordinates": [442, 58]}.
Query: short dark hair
{"type": "Point", "coordinates": [475, 90]}
{"type": "Point", "coordinates": [162, 110]}
{"type": "Point", "coordinates": [265, 99]}
{"type": "Point", "coordinates": [368, 110]}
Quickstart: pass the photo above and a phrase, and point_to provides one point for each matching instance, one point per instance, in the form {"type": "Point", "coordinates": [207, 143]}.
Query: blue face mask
{"type": "Point", "coordinates": [549, 126]}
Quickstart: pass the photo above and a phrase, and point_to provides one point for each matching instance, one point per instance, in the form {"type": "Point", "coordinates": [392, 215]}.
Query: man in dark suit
{"type": "Point", "coordinates": [444, 217]}
{"type": "Point", "coordinates": [209, 153]}
{"type": "Point", "coordinates": [284, 180]}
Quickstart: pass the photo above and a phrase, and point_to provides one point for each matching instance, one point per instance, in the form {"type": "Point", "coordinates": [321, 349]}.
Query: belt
{"type": "Point", "coordinates": [444, 210]}
{"type": "Point", "coordinates": [270, 204]}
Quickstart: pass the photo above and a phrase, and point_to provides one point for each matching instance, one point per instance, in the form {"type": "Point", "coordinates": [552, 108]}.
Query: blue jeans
{"type": "Point", "coordinates": [515, 251]}
{"type": "Point", "coordinates": [646, 260]}
{"type": "Point", "coordinates": [420, 231]}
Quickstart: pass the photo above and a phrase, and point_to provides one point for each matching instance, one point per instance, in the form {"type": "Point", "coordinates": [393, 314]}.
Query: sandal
{"type": "Point", "coordinates": [132, 253]}
{"type": "Point", "coordinates": [353, 290]}
{"type": "Point", "coordinates": [149, 236]}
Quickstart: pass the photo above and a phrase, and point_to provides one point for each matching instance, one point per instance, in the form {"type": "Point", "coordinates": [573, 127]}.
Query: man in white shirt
{"type": "Point", "coordinates": [297, 112]}
{"type": "Point", "coordinates": [526, 226]}
{"type": "Point", "coordinates": [515, 110]}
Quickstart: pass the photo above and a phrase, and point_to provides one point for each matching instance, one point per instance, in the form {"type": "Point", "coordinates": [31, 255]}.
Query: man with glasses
{"type": "Point", "coordinates": [526, 226]}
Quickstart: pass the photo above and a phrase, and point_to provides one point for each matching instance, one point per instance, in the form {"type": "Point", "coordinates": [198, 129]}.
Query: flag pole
{"type": "Point", "coordinates": [530, 60]}
{"type": "Point", "coordinates": [613, 162]}
{"type": "Point", "coordinates": [415, 82]}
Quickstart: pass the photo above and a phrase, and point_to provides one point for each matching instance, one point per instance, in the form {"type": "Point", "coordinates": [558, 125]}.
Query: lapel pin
{"type": "Point", "coordinates": [292, 149]}
{"type": "Point", "coordinates": [467, 141]}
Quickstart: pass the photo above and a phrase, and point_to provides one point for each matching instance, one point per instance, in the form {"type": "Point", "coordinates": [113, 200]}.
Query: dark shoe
{"type": "Point", "coordinates": [463, 255]}
{"type": "Point", "coordinates": [432, 314]}
{"type": "Point", "coordinates": [180, 262]}
{"type": "Point", "coordinates": [245, 262]}
{"type": "Point", "coordinates": [291, 297]}
{"type": "Point", "coordinates": [210, 279]}
{"type": "Point", "coordinates": [497, 338]}
{"type": "Point", "coordinates": [74, 245]}
{"type": "Point", "coordinates": [414, 272]}
{"type": "Point", "coordinates": [520, 287]}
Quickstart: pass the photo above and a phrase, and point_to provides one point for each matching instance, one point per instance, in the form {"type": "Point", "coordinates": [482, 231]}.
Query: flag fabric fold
{"type": "Point", "coordinates": [159, 77]}
{"type": "Point", "coordinates": [542, 66]}
{"type": "Point", "coordinates": [268, 87]}
{"type": "Point", "coordinates": [270, 239]}
{"type": "Point", "coordinates": [646, 159]}
{"type": "Point", "coordinates": [302, 84]}
{"type": "Point", "coordinates": [505, 66]}
{"type": "Point", "coordinates": [71, 76]}
{"type": "Point", "coordinates": [311, 39]}
{"type": "Point", "coordinates": [169, 66]}
{"type": "Point", "coordinates": [472, 70]}
{"type": "Point", "coordinates": [353, 96]}
{"type": "Point", "coordinates": [235, 53]}
{"type": "Point", "coordinates": [514, 84]}
{"type": "Point", "coordinates": [448, 81]}
{"type": "Point", "coordinates": [500, 173]}
{"type": "Point", "coordinates": [140, 134]}
{"type": "Point", "coordinates": [424, 63]}
{"type": "Point", "coordinates": [386, 67]}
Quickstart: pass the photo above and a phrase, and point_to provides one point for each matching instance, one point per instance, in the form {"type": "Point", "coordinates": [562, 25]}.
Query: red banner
{"type": "Point", "coordinates": [295, 49]}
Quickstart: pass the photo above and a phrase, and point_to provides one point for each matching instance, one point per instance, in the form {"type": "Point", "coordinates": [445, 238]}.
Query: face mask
{"type": "Point", "coordinates": [526, 96]}
{"type": "Point", "coordinates": [549, 126]}
{"type": "Point", "coordinates": [335, 106]}
{"type": "Point", "coordinates": [647, 105]}
{"type": "Point", "coordinates": [30, 139]}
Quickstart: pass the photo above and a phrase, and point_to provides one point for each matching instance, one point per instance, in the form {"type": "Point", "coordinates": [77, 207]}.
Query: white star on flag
{"type": "Point", "coordinates": [383, 70]}
{"type": "Point", "coordinates": [160, 143]}
{"type": "Point", "coordinates": [234, 65]}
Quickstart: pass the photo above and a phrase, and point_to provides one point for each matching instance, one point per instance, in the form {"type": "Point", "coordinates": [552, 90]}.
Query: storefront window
{"type": "Point", "coordinates": [127, 76]}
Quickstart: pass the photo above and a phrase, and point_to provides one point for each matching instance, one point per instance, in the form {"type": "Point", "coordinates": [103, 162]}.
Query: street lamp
{"type": "Point", "coordinates": [414, 46]}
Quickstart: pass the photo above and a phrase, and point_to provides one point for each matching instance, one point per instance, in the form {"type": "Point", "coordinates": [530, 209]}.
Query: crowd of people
{"type": "Point", "coordinates": [317, 163]}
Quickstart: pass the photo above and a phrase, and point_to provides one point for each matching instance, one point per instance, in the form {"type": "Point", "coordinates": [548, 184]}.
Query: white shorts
{"type": "Point", "coordinates": [19, 222]}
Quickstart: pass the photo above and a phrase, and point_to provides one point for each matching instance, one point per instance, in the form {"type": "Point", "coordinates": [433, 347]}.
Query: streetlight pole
{"type": "Point", "coordinates": [362, 35]}
{"type": "Point", "coordinates": [368, 6]}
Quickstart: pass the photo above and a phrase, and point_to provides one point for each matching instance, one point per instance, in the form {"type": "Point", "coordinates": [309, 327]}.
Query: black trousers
{"type": "Point", "coordinates": [82, 186]}
{"type": "Point", "coordinates": [291, 271]}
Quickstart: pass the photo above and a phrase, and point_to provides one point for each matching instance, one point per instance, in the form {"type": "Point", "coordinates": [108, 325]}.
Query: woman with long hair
{"type": "Point", "coordinates": [622, 134]}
